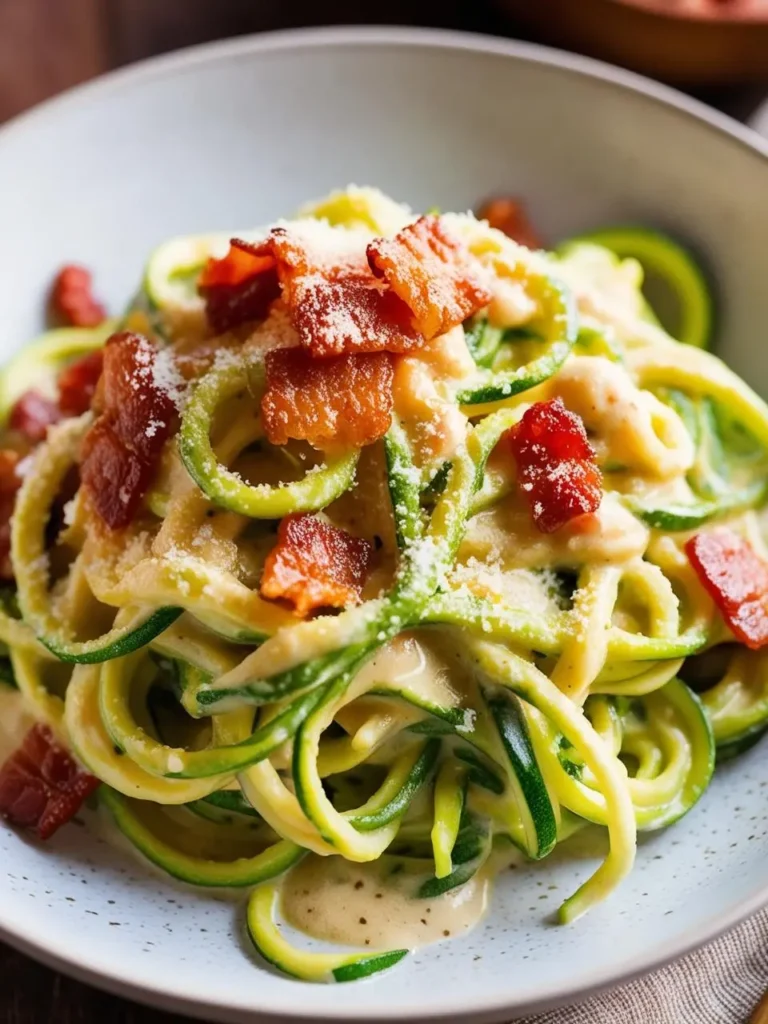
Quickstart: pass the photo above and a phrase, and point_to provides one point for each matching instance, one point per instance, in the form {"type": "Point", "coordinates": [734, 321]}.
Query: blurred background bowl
{"type": "Point", "coordinates": [688, 42]}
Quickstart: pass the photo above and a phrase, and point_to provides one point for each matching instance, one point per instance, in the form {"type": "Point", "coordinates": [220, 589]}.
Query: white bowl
{"type": "Point", "coordinates": [235, 134]}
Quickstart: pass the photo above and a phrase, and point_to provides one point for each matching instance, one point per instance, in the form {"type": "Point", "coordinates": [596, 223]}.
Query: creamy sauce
{"type": "Point", "coordinates": [15, 721]}
{"type": "Point", "coordinates": [629, 426]}
{"type": "Point", "coordinates": [511, 304]}
{"type": "Point", "coordinates": [186, 530]}
{"type": "Point", "coordinates": [361, 905]}
{"type": "Point", "coordinates": [410, 662]}
{"type": "Point", "coordinates": [536, 592]}
{"type": "Point", "coordinates": [433, 421]}
{"type": "Point", "coordinates": [448, 355]}
{"type": "Point", "coordinates": [505, 537]}
{"type": "Point", "coordinates": [423, 395]}
{"type": "Point", "coordinates": [608, 295]}
{"type": "Point", "coordinates": [593, 271]}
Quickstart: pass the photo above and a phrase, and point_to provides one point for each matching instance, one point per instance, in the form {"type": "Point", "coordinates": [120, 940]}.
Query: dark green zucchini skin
{"type": "Point", "coordinates": [524, 773]}
{"type": "Point", "coordinates": [367, 966]}
{"type": "Point", "coordinates": [557, 343]}
{"type": "Point", "coordinates": [400, 802]}
{"type": "Point", "coordinates": [470, 851]}
{"type": "Point", "coordinates": [244, 872]}
{"type": "Point", "coordinates": [155, 623]}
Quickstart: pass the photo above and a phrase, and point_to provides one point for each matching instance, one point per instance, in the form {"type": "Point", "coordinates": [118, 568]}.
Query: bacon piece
{"type": "Point", "coordinates": [32, 414]}
{"type": "Point", "coordinates": [316, 248]}
{"type": "Point", "coordinates": [10, 482]}
{"type": "Point", "coordinates": [30, 418]}
{"type": "Point", "coordinates": [72, 302]}
{"type": "Point", "coordinates": [121, 450]}
{"type": "Point", "coordinates": [243, 260]}
{"type": "Point", "coordinates": [345, 400]}
{"type": "Point", "coordinates": [433, 273]}
{"type": "Point", "coordinates": [315, 565]}
{"type": "Point", "coordinates": [336, 304]}
{"type": "Point", "coordinates": [41, 786]}
{"type": "Point", "coordinates": [736, 579]}
{"type": "Point", "coordinates": [116, 477]}
{"type": "Point", "coordinates": [508, 215]}
{"type": "Point", "coordinates": [141, 408]}
{"type": "Point", "coordinates": [77, 383]}
{"type": "Point", "coordinates": [350, 315]}
{"type": "Point", "coordinates": [556, 465]}
{"type": "Point", "coordinates": [240, 286]}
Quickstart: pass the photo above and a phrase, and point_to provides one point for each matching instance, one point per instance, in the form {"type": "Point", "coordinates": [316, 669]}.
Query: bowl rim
{"type": "Point", "coordinates": [102, 971]}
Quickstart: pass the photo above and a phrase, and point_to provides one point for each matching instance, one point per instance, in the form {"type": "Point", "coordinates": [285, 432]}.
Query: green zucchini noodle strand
{"type": "Point", "coordinates": [33, 505]}
{"type": "Point", "coordinates": [584, 653]}
{"type": "Point", "coordinates": [497, 665]}
{"type": "Point", "coordinates": [317, 489]}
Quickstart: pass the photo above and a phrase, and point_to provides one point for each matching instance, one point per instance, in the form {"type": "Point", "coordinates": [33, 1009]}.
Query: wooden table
{"type": "Point", "coordinates": [48, 45]}
{"type": "Point", "coordinates": [33, 994]}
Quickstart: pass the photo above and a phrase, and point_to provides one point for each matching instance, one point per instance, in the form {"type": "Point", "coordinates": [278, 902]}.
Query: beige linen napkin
{"type": "Point", "coordinates": [719, 984]}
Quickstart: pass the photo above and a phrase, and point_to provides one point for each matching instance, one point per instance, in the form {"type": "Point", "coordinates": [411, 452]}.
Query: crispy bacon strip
{"type": "Point", "coordinates": [315, 565]}
{"type": "Point", "coordinates": [115, 477]}
{"type": "Point", "coordinates": [556, 465]}
{"type": "Point", "coordinates": [350, 315]}
{"type": "Point", "coordinates": [72, 302]}
{"type": "Point", "coordinates": [316, 248]}
{"type": "Point", "coordinates": [336, 304]}
{"type": "Point", "coordinates": [10, 482]}
{"type": "Point", "coordinates": [122, 448]}
{"type": "Point", "coordinates": [508, 215]}
{"type": "Point", "coordinates": [243, 260]}
{"type": "Point", "coordinates": [32, 414]}
{"type": "Point", "coordinates": [239, 287]}
{"type": "Point", "coordinates": [139, 403]}
{"type": "Point", "coordinates": [41, 786]}
{"type": "Point", "coordinates": [29, 419]}
{"type": "Point", "coordinates": [736, 579]}
{"type": "Point", "coordinates": [343, 298]}
{"type": "Point", "coordinates": [433, 273]}
{"type": "Point", "coordinates": [345, 400]}
{"type": "Point", "coordinates": [77, 383]}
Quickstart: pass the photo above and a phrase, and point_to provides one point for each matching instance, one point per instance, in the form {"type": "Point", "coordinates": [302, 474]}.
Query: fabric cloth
{"type": "Point", "coordinates": [719, 984]}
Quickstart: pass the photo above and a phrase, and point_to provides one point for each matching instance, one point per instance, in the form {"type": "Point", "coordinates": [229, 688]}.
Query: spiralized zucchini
{"type": "Point", "coordinates": [498, 687]}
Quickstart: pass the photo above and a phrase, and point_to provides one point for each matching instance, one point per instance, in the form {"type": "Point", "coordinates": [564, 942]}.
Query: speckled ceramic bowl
{"type": "Point", "coordinates": [237, 133]}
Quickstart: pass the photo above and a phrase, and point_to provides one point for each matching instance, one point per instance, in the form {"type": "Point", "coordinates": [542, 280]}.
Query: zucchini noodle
{"type": "Point", "coordinates": [496, 687]}
{"type": "Point", "coordinates": [225, 488]}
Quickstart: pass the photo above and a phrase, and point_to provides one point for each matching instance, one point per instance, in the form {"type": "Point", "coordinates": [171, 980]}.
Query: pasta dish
{"type": "Point", "coordinates": [369, 552]}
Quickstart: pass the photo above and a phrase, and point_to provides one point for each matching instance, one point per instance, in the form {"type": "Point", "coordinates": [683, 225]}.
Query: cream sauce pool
{"type": "Point", "coordinates": [367, 905]}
